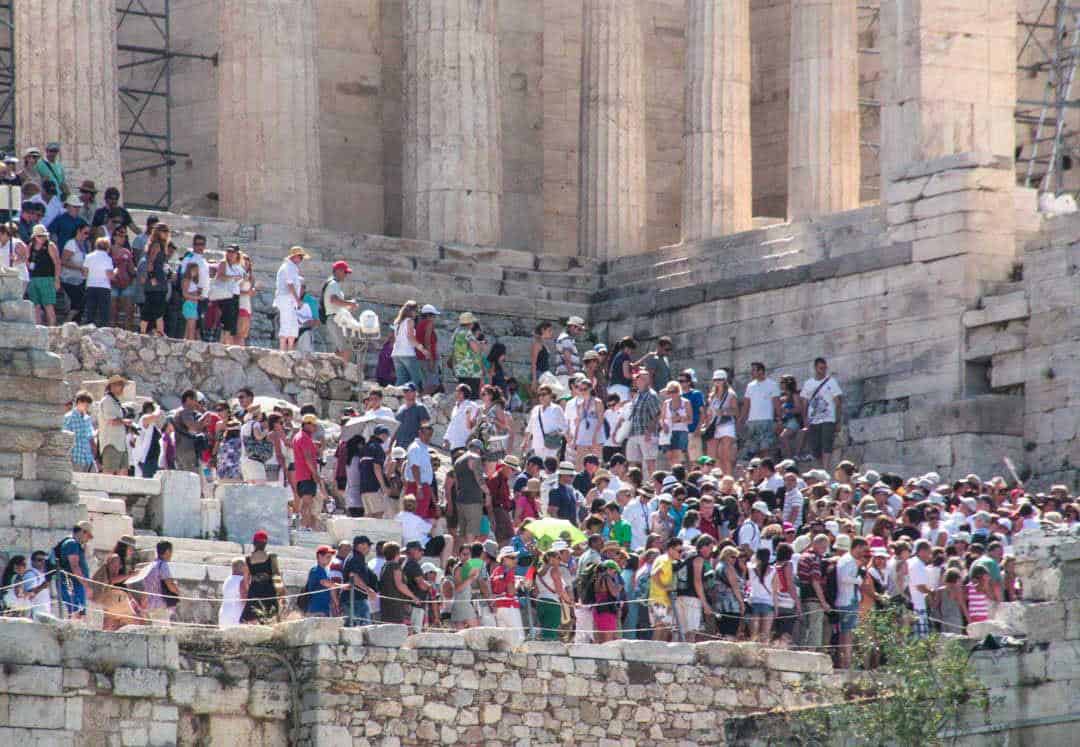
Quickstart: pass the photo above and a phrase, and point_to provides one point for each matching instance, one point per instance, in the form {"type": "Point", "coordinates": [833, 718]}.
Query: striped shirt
{"type": "Point", "coordinates": [978, 605]}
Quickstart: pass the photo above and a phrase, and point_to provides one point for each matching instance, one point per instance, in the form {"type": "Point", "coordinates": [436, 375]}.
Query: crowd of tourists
{"type": "Point", "coordinates": [582, 531]}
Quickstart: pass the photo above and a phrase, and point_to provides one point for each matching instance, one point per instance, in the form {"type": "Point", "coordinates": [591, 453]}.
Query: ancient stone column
{"type": "Point", "coordinates": [269, 167]}
{"type": "Point", "coordinates": [65, 85]}
{"type": "Point", "coordinates": [823, 109]}
{"type": "Point", "coordinates": [452, 180]}
{"type": "Point", "coordinates": [612, 197]}
{"type": "Point", "coordinates": [717, 184]}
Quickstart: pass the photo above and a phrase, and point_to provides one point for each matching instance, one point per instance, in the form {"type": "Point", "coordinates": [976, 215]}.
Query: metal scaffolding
{"type": "Point", "coordinates": [7, 76]}
{"type": "Point", "coordinates": [145, 60]}
{"type": "Point", "coordinates": [1051, 41]}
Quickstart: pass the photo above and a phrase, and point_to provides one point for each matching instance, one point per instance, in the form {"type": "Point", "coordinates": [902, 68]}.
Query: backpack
{"type": "Point", "coordinates": [828, 571]}
{"type": "Point", "coordinates": [55, 561]}
{"type": "Point", "coordinates": [585, 584]}
{"type": "Point", "coordinates": [303, 600]}
{"type": "Point", "coordinates": [684, 575]}
{"type": "Point", "coordinates": [323, 316]}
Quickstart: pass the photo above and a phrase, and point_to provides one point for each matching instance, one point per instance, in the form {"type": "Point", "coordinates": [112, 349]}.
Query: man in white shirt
{"type": "Point", "coordinates": [334, 301]}
{"type": "Point", "coordinates": [769, 478]}
{"type": "Point", "coordinates": [760, 412]}
{"type": "Point", "coordinates": [457, 430]}
{"type": "Point", "coordinates": [750, 532]}
{"type": "Point", "coordinates": [636, 514]}
{"type": "Point", "coordinates": [847, 590]}
{"type": "Point", "coordinates": [98, 267]}
{"type": "Point", "coordinates": [919, 587]}
{"type": "Point", "coordinates": [288, 295]}
{"type": "Point", "coordinates": [793, 499]}
{"type": "Point", "coordinates": [822, 411]}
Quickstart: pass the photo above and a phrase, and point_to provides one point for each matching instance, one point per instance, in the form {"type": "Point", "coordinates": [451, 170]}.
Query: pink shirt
{"type": "Point", "coordinates": [978, 605]}
{"type": "Point", "coordinates": [302, 444]}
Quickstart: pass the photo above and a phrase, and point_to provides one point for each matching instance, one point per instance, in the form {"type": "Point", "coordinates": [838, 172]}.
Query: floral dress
{"type": "Point", "coordinates": [228, 458]}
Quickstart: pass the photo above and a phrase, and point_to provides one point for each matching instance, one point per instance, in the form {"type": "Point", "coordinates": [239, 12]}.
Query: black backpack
{"type": "Point", "coordinates": [55, 562]}
{"type": "Point", "coordinates": [828, 571]}
{"type": "Point", "coordinates": [684, 574]}
{"type": "Point", "coordinates": [585, 584]}
{"type": "Point", "coordinates": [323, 315]}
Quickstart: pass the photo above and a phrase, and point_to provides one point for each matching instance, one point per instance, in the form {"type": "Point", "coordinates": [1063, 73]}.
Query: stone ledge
{"type": "Point", "coordinates": [116, 484]}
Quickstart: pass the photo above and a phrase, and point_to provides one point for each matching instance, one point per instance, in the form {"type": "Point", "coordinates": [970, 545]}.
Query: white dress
{"type": "Point", "coordinates": [232, 604]}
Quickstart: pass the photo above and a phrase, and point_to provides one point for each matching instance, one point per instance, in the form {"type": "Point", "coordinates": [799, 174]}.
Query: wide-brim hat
{"type": "Point", "coordinates": [575, 321]}
{"type": "Point", "coordinates": [40, 230]}
{"type": "Point", "coordinates": [533, 486]}
{"type": "Point", "coordinates": [116, 379]}
{"type": "Point", "coordinates": [88, 186]}
{"type": "Point", "coordinates": [31, 152]}
{"type": "Point", "coordinates": [73, 201]}
{"type": "Point", "coordinates": [466, 317]}
{"type": "Point", "coordinates": [297, 251]}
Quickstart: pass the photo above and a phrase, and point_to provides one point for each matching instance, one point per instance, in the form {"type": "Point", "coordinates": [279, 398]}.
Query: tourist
{"type": "Point", "coordinates": [155, 289]}
{"type": "Point", "coordinates": [467, 354]}
{"type": "Point", "coordinates": [540, 354]}
{"type": "Point", "coordinates": [621, 369]}
{"type": "Point", "coordinates": [50, 168]}
{"type": "Point", "coordinates": [547, 426]}
{"type": "Point", "coordinates": [44, 263]}
{"type": "Point", "coordinates": [427, 355]}
{"type": "Point", "coordinates": [416, 528]}
{"type": "Point", "coordinates": [553, 599]}
{"type": "Point", "coordinates": [113, 422]}
{"type": "Point", "coordinates": [419, 471]}
{"type": "Point", "coordinates": [228, 276]}
{"type": "Point", "coordinates": [13, 252]}
{"type": "Point", "coordinates": [568, 362]}
{"type": "Point", "coordinates": [585, 416]}
{"type": "Point", "coordinates": [80, 424]}
{"type": "Point", "coordinates": [192, 293]}
{"type": "Point", "coordinates": [333, 301]}
{"type": "Point", "coordinates": [307, 475]}
{"type": "Point", "coordinates": [472, 495]}
{"type": "Point", "coordinates": [74, 248]}
{"type": "Point", "coordinates": [265, 588]}
{"type": "Point", "coordinates": [462, 419]}
{"type": "Point", "coordinates": [661, 586]}
{"type": "Point", "coordinates": [288, 296]}
{"type": "Point", "coordinates": [319, 590]}
{"type": "Point", "coordinates": [115, 601]}
{"type": "Point", "coordinates": [394, 595]}
{"type": "Point", "coordinates": [676, 415]}
{"type": "Point", "coordinates": [362, 584]}
{"type": "Point", "coordinates": [53, 201]}
{"type": "Point", "coordinates": [75, 572]}
{"type": "Point", "coordinates": [657, 363]}
{"type": "Point", "coordinates": [721, 414]}
{"type": "Point", "coordinates": [227, 450]}
{"type": "Point", "coordinates": [159, 587]}
{"type": "Point", "coordinates": [822, 411]}
{"type": "Point", "coordinates": [122, 309]}
{"type": "Point", "coordinates": [15, 601]}
{"type": "Point", "coordinates": [642, 442]}
{"type": "Point", "coordinates": [28, 173]}
{"type": "Point", "coordinates": [406, 346]}
{"type": "Point", "coordinates": [919, 586]}
{"type": "Point", "coordinates": [247, 289]}
{"type": "Point", "coordinates": [191, 425]}
{"type": "Point", "coordinates": [409, 415]}
{"type": "Point", "coordinates": [234, 592]}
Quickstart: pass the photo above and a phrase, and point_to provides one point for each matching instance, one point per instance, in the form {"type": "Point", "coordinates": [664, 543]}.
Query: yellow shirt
{"type": "Point", "coordinates": [662, 579]}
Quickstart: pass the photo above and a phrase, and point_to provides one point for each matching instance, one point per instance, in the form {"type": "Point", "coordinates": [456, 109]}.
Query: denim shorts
{"type": "Point", "coordinates": [757, 609]}
{"type": "Point", "coordinates": [127, 293]}
{"type": "Point", "coordinates": [680, 440]}
{"type": "Point", "coordinates": [848, 617]}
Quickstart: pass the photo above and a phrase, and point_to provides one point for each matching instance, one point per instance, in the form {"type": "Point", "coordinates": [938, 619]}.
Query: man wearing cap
{"type": "Point", "coordinates": [364, 584]}
{"type": "Point", "coordinates": [794, 501]}
{"type": "Point", "coordinates": [308, 479]}
{"type": "Point", "coordinates": [50, 167]}
{"type": "Point", "coordinates": [427, 352]}
{"type": "Point", "coordinates": [87, 200]}
{"type": "Point", "coordinates": [472, 494]}
{"type": "Point", "coordinates": [112, 428]}
{"type": "Point", "coordinates": [333, 301]}
{"type": "Point", "coordinates": [564, 499]}
{"type": "Point", "coordinates": [749, 534]}
{"type": "Point", "coordinates": [64, 226]}
{"type": "Point", "coordinates": [413, 573]}
{"type": "Point", "coordinates": [409, 415]}
{"type": "Point", "coordinates": [370, 480]}
{"type": "Point", "coordinates": [568, 361]}
{"type": "Point", "coordinates": [74, 573]}
{"type": "Point", "coordinates": [288, 295]}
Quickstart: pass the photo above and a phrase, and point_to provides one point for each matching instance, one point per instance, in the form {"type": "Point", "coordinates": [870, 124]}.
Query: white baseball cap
{"type": "Point", "coordinates": [761, 506]}
{"type": "Point", "coordinates": [719, 375]}
{"type": "Point", "coordinates": [429, 309]}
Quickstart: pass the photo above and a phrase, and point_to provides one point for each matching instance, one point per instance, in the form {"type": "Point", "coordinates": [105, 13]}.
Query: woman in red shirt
{"type": "Point", "coordinates": [429, 355]}
{"type": "Point", "coordinates": [504, 589]}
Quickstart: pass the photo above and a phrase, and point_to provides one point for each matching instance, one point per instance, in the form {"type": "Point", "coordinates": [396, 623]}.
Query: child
{"type": "Point", "coordinates": [951, 602]}
{"type": "Point", "coordinates": [190, 288]}
{"type": "Point", "coordinates": [978, 595]}
{"type": "Point", "coordinates": [233, 594]}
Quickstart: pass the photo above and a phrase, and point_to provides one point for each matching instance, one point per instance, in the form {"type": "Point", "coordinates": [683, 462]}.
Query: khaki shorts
{"type": "Point", "coordinates": [639, 450]}
{"type": "Point", "coordinates": [335, 337]}
{"type": "Point", "coordinates": [252, 471]}
{"type": "Point", "coordinates": [114, 460]}
{"type": "Point", "coordinates": [374, 503]}
{"type": "Point", "coordinates": [689, 609]}
{"type": "Point", "coordinates": [469, 517]}
{"type": "Point", "coordinates": [662, 616]}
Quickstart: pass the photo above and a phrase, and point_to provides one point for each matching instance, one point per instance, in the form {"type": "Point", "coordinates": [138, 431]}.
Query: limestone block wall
{"type": "Point", "coordinates": [312, 683]}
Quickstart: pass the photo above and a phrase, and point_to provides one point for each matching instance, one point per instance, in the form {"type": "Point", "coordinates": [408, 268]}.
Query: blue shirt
{"type": "Point", "coordinates": [697, 402]}
{"type": "Point", "coordinates": [72, 546]}
{"type": "Point", "coordinates": [563, 499]}
{"type": "Point", "coordinates": [81, 425]}
{"type": "Point", "coordinates": [320, 600]}
{"type": "Point", "coordinates": [64, 227]}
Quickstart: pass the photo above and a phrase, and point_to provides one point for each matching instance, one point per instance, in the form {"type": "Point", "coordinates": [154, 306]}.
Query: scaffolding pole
{"type": "Point", "coordinates": [7, 76]}
{"type": "Point", "coordinates": [1052, 39]}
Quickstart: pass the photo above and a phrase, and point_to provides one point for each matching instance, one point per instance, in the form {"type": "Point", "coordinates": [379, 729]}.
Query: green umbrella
{"type": "Point", "coordinates": [549, 530]}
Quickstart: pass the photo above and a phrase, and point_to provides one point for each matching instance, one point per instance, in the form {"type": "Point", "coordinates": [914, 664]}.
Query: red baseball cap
{"type": "Point", "coordinates": [324, 550]}
{"type": "Point", "coordinates": [260, 536]}
{"type": "Point", "coordinates": [342, 265]}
